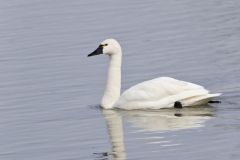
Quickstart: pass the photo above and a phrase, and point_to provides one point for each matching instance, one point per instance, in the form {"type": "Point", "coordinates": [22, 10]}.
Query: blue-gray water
{"type": "Point", "coordinates": [49, 89]}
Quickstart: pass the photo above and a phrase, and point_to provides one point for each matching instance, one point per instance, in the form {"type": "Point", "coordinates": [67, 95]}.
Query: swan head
{"type": "Point", "coordinates": [108, 47]}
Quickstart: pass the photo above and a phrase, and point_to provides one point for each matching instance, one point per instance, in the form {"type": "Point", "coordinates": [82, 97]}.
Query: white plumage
{"type": "Point", "coordinates": [163, 92]}
{"type": "Point", "coordinates": [158, 93]}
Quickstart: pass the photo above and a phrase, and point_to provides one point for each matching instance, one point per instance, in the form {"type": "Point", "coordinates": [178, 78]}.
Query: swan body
{"type": "Point", "coordinates": [163, 92]}
{"type": "Point", "coordinates": [157, 93]}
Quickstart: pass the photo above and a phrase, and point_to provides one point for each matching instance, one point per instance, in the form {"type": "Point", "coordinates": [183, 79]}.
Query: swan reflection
{"type": "Point", "coordinates": [151, 121]}
{"type": "Point", "coordinates": [168, 119]}
{"type": "Point", "coordinates": [115, 131]}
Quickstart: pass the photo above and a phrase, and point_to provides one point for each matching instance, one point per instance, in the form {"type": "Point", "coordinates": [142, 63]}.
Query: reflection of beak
{"type": "Point", "coordinates": [98, 51]}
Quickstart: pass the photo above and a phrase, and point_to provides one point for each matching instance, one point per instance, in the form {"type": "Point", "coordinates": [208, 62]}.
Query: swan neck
{"type": "Point", "coordinates": [113, 86]}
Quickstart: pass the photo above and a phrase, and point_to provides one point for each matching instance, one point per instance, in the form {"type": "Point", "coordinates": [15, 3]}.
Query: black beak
{"type": "Point", "coordinates": [98, 51]}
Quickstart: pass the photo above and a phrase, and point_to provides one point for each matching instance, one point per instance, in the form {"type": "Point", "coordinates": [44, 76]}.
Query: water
{"type": "Point", "coordinates": [50, 90]}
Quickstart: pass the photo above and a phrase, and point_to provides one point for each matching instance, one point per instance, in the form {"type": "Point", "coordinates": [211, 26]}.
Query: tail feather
{"type": "Point", "coordinates": [199, 100]}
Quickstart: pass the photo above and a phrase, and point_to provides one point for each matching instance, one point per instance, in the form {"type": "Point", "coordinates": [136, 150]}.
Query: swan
{"type": "Point", "coordinates": [162, 92]}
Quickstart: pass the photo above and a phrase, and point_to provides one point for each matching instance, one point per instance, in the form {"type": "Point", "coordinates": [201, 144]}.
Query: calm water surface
{"type": "Point", "coordinates": [50, 90]}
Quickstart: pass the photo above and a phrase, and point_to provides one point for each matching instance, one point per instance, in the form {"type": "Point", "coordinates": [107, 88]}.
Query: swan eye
{"type": "Point", "coordinates": [105, 45]}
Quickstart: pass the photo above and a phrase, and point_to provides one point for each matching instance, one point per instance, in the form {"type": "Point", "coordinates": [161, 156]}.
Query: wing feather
{"type": "Point", "coordinates": [159, 89]}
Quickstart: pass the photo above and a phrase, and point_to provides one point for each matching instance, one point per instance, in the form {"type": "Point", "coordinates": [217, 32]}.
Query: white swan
{"type": "Point", "coordinates": [162, 92]}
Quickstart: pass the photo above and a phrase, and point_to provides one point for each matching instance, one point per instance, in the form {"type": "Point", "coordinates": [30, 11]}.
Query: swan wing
{"type": "Point", "coordinates": [158, 93]}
